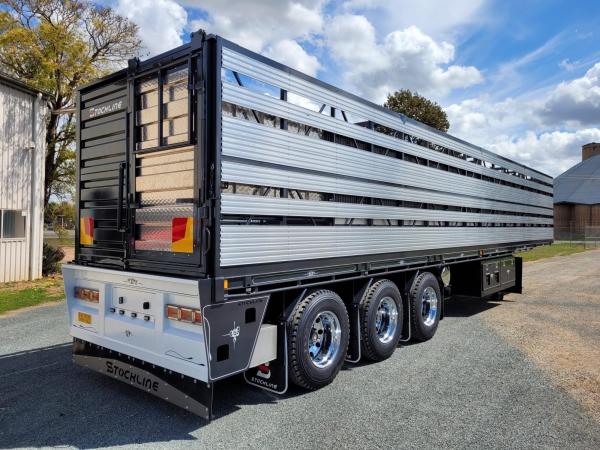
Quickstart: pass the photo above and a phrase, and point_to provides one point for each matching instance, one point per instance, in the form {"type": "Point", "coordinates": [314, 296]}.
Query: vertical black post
{"type": "Point", "coordinates": [160, 108]}
{"type": "Point", "coordinates": [131, 140]}
{"type": "Point", "coordinates": [283, 95]}
{"type": "Point", "coordinates": [77, 173]}
{"type": "Point", "coordinates": [371, 148]}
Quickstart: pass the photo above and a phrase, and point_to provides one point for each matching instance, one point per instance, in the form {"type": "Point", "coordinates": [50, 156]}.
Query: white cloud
{"type": "Point", "coordinates": [259, 24]}
{"type": "Point", "coordinates": [437, 18]}
{"type": "Point", "coordinates": [290, 53]}
{"type": "Point", "coordinates": [552, 152]}
{"type": "Point", "coordinates": [403, 59]}
{"type": "Point", "coordinates": [575, 102]}
{"type": "Point", "coordinates": [479, 119]}
{"type": "Point", "coordinates": [161, 22]}
{"type": "Point", "coordinates": [523, 128]}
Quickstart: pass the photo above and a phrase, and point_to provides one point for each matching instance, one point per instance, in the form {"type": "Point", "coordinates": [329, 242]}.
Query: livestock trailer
{"type": "Point", "coordinates": [236, 216]}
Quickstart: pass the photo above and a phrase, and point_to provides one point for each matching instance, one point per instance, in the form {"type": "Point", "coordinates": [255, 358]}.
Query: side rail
{"type": "Point", "coordinates": [311, 172]}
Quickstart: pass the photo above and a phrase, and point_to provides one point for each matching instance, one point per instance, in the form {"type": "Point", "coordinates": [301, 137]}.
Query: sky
{"type": "Point", "coordinates": [521, 78]}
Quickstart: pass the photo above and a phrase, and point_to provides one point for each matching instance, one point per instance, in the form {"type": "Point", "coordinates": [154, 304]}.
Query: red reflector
{"type": "Point", "coordinates": [179, 225]}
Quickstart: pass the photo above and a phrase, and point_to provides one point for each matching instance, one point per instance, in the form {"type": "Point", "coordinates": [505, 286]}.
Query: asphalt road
{"type": "Point", "coordinates": [466, 388]}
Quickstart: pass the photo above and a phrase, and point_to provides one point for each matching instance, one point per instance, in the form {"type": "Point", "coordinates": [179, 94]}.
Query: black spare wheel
{"type": "Point", "coordinates": [318, 333]}
{"type": "Point", "coordinates": [380, 320]}
{"type": "Point", "coordinates": [425, 305]}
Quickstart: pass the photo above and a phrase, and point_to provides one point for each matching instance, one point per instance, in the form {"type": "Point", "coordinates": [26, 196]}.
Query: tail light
{"type": "Point", "coordinates": [182, 314]}
{"type": "Point", "coordinates": [89, 295]}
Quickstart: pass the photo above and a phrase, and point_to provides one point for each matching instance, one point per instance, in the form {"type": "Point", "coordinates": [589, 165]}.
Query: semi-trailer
{"type": "Point", "coordinates": [238, 216]}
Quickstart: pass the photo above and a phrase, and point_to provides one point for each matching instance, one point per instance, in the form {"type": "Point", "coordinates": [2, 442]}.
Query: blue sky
{"type": "Point", "coordinates": [519, 77]}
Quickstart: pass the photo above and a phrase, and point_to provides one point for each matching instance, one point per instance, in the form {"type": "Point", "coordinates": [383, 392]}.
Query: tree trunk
{"type": "Point", "coordinates": [50, 170]}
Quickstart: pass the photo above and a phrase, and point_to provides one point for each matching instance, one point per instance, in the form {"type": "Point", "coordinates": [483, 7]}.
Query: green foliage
{"type": "Point", "coordinates": [419, 108]}
{"type": "Point", "coordinates": [60, 231]}
{"type": "Point", "coordinates": [55, 46]}
{"type": "Point", "coordinates": [51, 259]}
{"type": "Point", "coordinates": [62, 213]}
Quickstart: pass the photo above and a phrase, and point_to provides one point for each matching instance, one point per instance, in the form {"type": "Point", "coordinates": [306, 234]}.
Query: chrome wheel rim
{"type": "Point", "coordinates": [324, 339]}
{"type": "Point", "coordinates": [386, 319]}
{"type": "Point", "coordinates": [430, 306]}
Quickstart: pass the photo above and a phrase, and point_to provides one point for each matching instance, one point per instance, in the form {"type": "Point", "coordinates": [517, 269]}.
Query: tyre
{"type": "Point", "coordinates": [380, 320]}
{"type": "Point", "coordinates": [498, 297]}
{"type": "Point", "coordinates": [425, 305]}
{"type": "Point", "coordinates": [318, 334]}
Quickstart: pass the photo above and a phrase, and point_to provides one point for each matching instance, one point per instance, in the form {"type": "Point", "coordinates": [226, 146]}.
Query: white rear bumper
{"type": "Point", "coordinates": [130, 317]}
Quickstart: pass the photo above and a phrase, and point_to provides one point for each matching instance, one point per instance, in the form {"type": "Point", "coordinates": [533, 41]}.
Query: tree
{"type": "Point", "coordinates": [55, 46]}
{"type": "Point", "coordinates": [62, 213]}
{"type": "Point", "coordinates": [419, 108]}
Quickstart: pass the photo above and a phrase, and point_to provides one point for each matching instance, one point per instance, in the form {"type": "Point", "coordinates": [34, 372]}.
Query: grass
{"type": "Point", "coordinates": [547, 251]}
{"type": "Point", "coordinates": [30, 293]}
{"type": "Point", "coordinates": [57, 242]}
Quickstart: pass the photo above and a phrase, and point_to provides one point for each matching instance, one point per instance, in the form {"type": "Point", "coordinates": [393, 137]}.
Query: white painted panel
{"type": "Point", "coordinates": [22, 151]}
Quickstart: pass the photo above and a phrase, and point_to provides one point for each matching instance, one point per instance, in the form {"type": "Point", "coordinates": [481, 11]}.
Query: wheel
{"type": "Point", "coordinates": [425, 305]}
{"type": "Point", "coordinates": [497, 297]}
{"type": "Point", "coordinates": [318, 334]}
{"type": "Point", "coordinates": [381, 320]}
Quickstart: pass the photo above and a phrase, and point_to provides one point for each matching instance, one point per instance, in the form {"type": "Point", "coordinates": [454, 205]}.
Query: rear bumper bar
{"type": "Point", "coordinates": [188, 393]}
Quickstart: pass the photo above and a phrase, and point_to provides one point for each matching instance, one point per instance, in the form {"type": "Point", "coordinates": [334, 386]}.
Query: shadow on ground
{"type": "Point", "coordinates": [467, 306]}
{"type": "Point", "coordinates": [46, 400]}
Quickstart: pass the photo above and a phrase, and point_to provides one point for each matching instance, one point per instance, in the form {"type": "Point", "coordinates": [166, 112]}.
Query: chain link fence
{"type": "Point", "coordinates": [588, 236]}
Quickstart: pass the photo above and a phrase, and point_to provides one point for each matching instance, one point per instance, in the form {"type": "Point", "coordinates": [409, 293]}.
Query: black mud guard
{"type": "Point", "coordinates": [273, 375]}
{"type": "Point", "coordinates": [231, 330]}
{"type": "Point", "coordinates": [188, 393]}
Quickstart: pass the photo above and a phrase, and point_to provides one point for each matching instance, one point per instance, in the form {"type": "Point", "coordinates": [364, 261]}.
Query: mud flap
{"type": "Point", "coordinates": [273, 375]}
{"type": "Point", "coordinates": [190, 394]}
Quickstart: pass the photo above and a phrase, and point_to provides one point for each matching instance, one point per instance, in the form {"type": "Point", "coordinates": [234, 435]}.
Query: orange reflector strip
{"type": "Point", "coordinates": [181, 314]}
{"type": "Point", "coordinates": [226, 284]}
{"type": "Point", "coordinates": [90, 295]}
{"type": "Point", "coordinates": [182, 235]}
{"type": "Point", "coordinates": [86, 231]}
{"type": "Point", "coordinates": [172, 312]}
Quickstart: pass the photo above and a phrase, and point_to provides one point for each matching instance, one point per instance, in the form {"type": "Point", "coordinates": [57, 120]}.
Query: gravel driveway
{"type": "Point", "coordinates": [470, 387]}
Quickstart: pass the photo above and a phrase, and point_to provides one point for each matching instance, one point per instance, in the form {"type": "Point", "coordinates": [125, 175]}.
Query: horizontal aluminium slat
{"type": "Point", "coordinates": [339, 99]}
{"type": "Point", "coordinates": [246, 172]}
{"type": "Point", "coordinates": [254, 244]}
{"type": "Point", "coordinates": [271, 206]}
{"type": "Point", "coordinates": [280, 108]}
{"type": "Point", "coordinates": [257, 142]}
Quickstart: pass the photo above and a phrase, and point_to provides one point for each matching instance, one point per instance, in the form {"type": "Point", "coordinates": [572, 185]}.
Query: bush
{"type": "Point", "coordinates": [51, 259]}
{"type": "Point", "coordinates": [60, 231]}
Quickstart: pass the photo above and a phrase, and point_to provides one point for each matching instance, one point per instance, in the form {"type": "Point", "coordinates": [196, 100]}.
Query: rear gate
{"type": "Point", "coordinates": [102, 159]}
{"type": "Point", "coordinates": [140, 170]}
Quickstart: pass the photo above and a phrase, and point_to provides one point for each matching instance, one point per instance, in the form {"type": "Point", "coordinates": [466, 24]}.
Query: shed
{"type": "Point", "coordinates": [22, 155]}
{"type": "Point", "coordinates": [577, 198]}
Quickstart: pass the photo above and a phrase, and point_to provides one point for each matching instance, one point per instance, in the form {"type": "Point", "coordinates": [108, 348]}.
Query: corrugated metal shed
{"type": "Point", "coordinates": [22, 151]}
{"type": "Point", "coordinates": [580, 184]}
